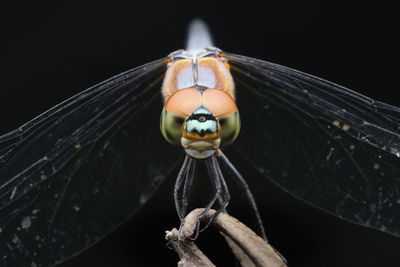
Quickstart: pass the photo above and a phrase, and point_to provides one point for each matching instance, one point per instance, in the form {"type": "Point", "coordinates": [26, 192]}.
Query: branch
{"type": "Point", "coordinates": [249, 249]}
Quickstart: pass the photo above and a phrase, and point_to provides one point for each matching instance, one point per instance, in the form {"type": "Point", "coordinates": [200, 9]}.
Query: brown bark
{"type": "Point", "coordinates": [249, 249]}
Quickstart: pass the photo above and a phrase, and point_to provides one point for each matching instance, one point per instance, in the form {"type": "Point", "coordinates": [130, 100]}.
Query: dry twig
{"type": "Point", "coordinates": [249, 249]}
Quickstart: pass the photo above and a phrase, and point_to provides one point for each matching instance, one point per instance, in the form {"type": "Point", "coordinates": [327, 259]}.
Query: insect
{"type": "Point", "coordinates": [74, 173]}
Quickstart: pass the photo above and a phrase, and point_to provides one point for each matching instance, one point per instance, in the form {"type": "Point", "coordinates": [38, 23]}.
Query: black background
{"type": "Point", "coordinates": [52, 51]}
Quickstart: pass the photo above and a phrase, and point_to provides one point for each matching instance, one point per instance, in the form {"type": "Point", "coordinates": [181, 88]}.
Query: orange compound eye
{"type": "Point", "coordinates": [218, 102]}
{"type": "Point", "coordinates": [183, 102]}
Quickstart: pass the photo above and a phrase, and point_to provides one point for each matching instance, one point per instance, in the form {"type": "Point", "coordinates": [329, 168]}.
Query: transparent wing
{"type": "Point", "coordinates": [74, 173]}
{"type": "Point", "coordinates": [323, 143]}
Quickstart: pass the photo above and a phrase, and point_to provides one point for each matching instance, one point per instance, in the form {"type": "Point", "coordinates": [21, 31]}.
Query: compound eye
{"type": "Point", "coordinates": [230, 128]}
{"type": "Point", "coordinates": [218, 102]}
{"type": "Point", "coordinates": [171, 126]}
{"type": "Point", "coordinates": [183, 102]}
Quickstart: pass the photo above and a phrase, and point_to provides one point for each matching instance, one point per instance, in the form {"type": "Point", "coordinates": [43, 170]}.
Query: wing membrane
{"type": "Point", "coordinates": [323, 143]}
{"type": "Point", "coordinates": [74, 173]}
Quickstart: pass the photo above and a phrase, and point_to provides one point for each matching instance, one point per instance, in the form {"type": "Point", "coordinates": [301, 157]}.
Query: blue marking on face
{"type": "Point", "coordinates": [202, 122]}
{"type": "Point", "coordinates": [202, 128]}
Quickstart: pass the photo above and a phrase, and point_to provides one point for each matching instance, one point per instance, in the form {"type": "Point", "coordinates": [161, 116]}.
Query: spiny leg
{"type": "Point", "coordinates": [217, 183]}
{"type": "Point", "coordinates": [224, 196]}
{"type": "Point", "coordinates": [188, 184]}
{"type": "Point", "coordinates": [178, 184]}
{"type": "Point", "coordinates": [242, 183]}
{"type": "Point", "coordinates": [225, 191]}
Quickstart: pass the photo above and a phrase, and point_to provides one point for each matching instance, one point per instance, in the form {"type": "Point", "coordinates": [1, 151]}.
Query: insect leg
{"type": "Point", "coordinates": [188, 184]}
{"type": "Point", "coordinates": [178, 184]}
{"type": "Point", "coordinates": [242, 183]}
{"type": "Point", "coordinates": [224, 196]}
{"type": "Point", "coordinates": [214, 176]}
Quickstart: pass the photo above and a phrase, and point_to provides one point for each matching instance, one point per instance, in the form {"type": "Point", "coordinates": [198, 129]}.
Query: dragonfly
{"type": "Point", "coordinates": [76, 172]}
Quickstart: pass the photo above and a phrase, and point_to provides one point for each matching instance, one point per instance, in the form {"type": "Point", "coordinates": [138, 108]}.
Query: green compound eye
{"type": "Point", "coordinates": [230, 128]}
{"type": "Point", "coordinates": [171, 127]}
